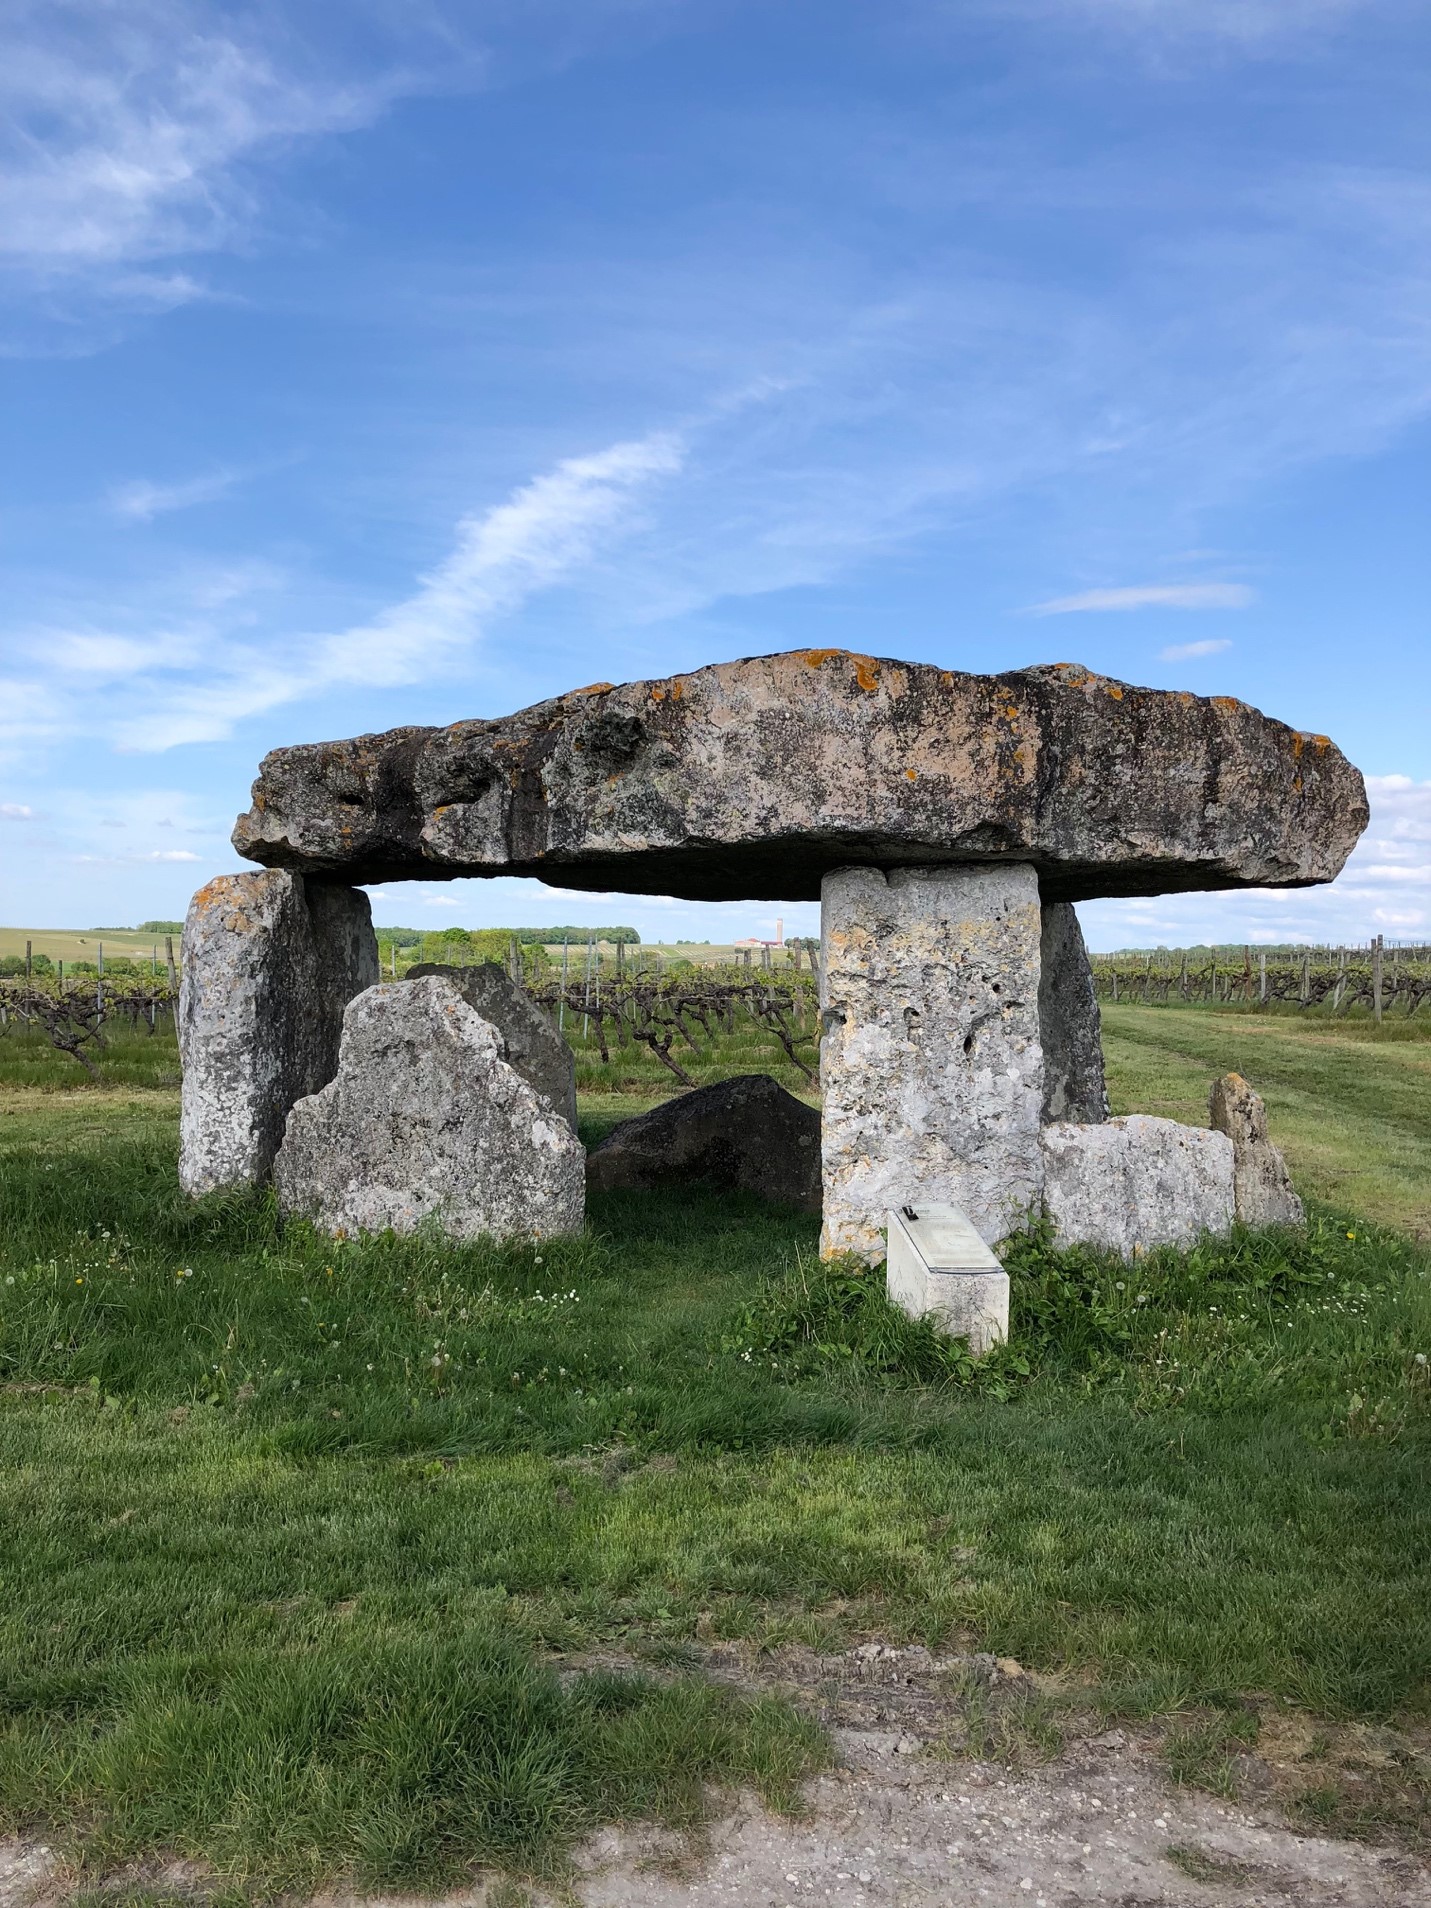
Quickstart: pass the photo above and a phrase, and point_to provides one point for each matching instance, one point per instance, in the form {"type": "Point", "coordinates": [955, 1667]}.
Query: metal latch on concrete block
{"type": "Point", "coordinates": [938, 1267]}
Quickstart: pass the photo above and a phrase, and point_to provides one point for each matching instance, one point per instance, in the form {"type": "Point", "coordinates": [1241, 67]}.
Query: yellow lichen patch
{"type": "Point", "coordinates": [1011, 712]}
{"type": "Point", "coordinates": [658, 695]}
{"type": "Point", "coordinates": [1225, 702]}
{"type": "Point", "coordinates": [591, 689]}
{"type": "Point", "coordinates": [910, 775]}
{"type": "Point", "coordinates": [866, 673]}
{"type": "Point", "coordinates": [1115, 689]}
{"type": "Point", "coordinates": [815, 657]}
{"type": "Point", "coordinates": [441, 810]}
{"type": "Point", "coordinates": [675, 689]}
{"type": "Point", "coordinates": [1322, 742]}
{"type": "Point", "coordinates": [1299, 742]}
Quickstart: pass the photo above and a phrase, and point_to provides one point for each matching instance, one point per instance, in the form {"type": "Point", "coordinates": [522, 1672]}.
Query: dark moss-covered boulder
{"type": "Point", "coordinates": [744, 1135]}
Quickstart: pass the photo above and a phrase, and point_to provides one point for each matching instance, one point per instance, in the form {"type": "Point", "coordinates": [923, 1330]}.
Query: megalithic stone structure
{"type": "Point", "coordinates": [947, 820]}
{"type": "Point", "coordinates": [270, 960]}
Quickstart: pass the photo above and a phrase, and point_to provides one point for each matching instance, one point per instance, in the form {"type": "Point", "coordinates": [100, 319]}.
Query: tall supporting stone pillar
{"type": "Point", "coordinates": [270, 961]}
{"type": "Point", "coordinates": [930, 1065]}
{"type": "Point", "coordinates": [1070, 1027]}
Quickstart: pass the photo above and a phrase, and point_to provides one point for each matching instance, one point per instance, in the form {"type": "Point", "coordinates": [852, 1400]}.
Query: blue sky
{"type": "Point", "coordinates": [391, 363]}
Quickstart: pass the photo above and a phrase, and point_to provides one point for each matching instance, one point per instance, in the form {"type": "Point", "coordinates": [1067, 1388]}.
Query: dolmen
{"type": "Point", "coordinates": [946, 821]}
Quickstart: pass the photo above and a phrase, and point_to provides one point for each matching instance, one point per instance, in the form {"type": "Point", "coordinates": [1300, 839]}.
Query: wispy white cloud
{"type": "Point", "coordinates": [543, 533]}
{"type": "Point", "coordinates": [16, 811]}
{"type": "Point", "coordinates": [1179, 596]}
{"type": "Point", "coordinates": [1384, 889]}
{"type": "Point", "coordinates": [1189, 652]}
{"type": "Point", "coordinates": [133, 134]}
{"type": "Point", "coordinates": [141, 501]}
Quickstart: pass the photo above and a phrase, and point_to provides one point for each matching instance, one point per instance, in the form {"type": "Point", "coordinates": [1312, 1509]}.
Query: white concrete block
{"type": "Point", "coordinates": [938, 1267]}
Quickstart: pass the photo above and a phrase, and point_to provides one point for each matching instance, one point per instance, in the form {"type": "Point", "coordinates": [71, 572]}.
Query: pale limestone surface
{"type": "Point", "coordinates": [1131, 1184]}
{"type": "Point", "coordinates": [1070, 1026]}
{"type": "Point", "coordinates": [1261, 1184]}
{"type": "Point", "coordinates": [930, 1064]}
{"type": "Point", "coordinates": [940, 1269]}
{"type": "Point", "coordinates": [425, 1121]}
{"type": "Point", "coordinates": [530, 1042]}
{"type": "Point", "coordinates": [270, 960]}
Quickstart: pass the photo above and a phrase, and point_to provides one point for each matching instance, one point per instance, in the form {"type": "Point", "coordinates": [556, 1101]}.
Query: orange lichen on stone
{"type": "Point", "coordinates": [591, 689]}
{"type": "Point", "coordinates": [815, 657]}
{"type": "Point", "coordinates": [1115, 690]}
{"type": "Point", "coordinates": [866, 673]}
{"type": "Point", "coordinates": [675, 689]}
{"type": "Point", "coordinates": [910, 775]}
{"type": "Point", "coordinates": [658, 695]}
{"type": "Point", "coordinates": [1224, 702]}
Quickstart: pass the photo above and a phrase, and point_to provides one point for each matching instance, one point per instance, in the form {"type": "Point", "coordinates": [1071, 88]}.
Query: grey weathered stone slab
{"type": "Point", "coordinates": [1070, 1028]}
{"type": "Point", "coordinates": [530, 1042]}
{"type": "Point", "coordinates": [930, 1064]}
{"type": "Point", "coordinates": [1262, 1186]}
{"type": "Point", "coordinates": [270, 960]}
{"type": "Point", "coordinates": [1131, 1184]}
{"type": "Point", "coordinates": [759, 777]}
{"type": "Point", "coordinates": [425, 1121]}
{"type": "Point", "coordinates": [742, 1135]}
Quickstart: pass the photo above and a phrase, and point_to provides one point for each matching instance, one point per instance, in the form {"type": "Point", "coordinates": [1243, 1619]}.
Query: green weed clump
{"type": "Point", "coordinates": [399, 1762]}
{"type": "Point", "coordinates": [1316, 1314]}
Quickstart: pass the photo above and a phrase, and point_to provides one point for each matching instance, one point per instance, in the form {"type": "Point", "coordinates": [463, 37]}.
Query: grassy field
{"type": "Point", "coordinates": [319, 1541]}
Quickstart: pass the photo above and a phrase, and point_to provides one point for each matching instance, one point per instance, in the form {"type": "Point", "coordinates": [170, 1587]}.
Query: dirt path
{"type": "Point", "coordinates": [939, 1799]}
{"type": "Point", "coordinates": [1099, 1825]}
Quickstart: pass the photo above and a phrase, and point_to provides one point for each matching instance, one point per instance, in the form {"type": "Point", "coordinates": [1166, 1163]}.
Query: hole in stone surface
{"type": "Point", "coordinates": [968, 1043]}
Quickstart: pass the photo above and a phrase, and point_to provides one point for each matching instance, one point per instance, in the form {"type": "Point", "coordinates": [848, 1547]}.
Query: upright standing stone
{"type": "Point", "coordinates": [1262, 1187]}
{"type": "Point", "coordinates": [425, 1121]}
{"type": "Point", "coordinates": [270, 962]}
{"type": "Point", "coordinates": [930, 1063]}
{"type": "Point", "coordinates": [1070, 1027]}
{"type": "Point", "coordinates": [530, 1042]}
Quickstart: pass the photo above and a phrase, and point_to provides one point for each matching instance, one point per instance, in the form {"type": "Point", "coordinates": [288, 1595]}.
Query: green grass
{"type": "Point", "coordinates": [128, 1058]}
{"type": "Point", "coordinates": [1350, 1103]}
{"type": "Point", "coordinates": [314, 1536]}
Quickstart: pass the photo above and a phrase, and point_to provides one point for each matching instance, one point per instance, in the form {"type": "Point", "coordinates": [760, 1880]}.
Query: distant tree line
{"type": "Point", "coordinates": [526, 937]}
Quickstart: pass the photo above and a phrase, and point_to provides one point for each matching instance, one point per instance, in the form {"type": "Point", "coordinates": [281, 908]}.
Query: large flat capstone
{"type": "Point", "coordinates": [270, 962]}
{"type": "Point", "coordinates": [930, 1063]}
{"type": "Point", "coordinates": [425, 1121]}
{"type": "Point", "coordinates": [757, 778]}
